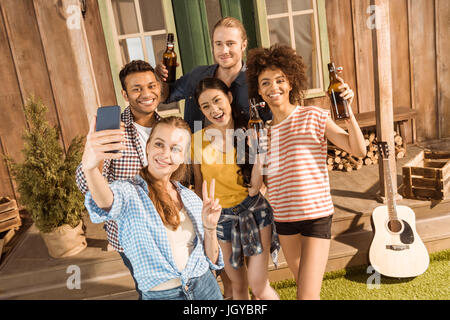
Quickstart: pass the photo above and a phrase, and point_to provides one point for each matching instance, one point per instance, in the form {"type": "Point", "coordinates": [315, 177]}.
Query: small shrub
{"type": "Point", "coordinates": [46, 178]}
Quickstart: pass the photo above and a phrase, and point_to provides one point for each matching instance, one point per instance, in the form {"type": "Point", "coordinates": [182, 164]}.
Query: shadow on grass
{"type": "Point", "coordinates": [366, 274]}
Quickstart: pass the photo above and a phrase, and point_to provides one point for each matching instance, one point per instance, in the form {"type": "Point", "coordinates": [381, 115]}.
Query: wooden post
{"type": "Point", "coordinates": [80, 46]}
{"type": "Point", "coordinates": [384, 109]}
{"type": "Point", "coordinates": [67, 55]}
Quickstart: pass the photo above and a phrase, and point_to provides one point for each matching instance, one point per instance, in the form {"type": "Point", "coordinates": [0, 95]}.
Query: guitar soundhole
{"type": "Point", "coordinates": [395, 226]}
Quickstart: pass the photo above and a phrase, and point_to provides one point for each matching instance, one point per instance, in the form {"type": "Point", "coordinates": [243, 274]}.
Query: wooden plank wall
{"type": "Point", "coordinates": [36, 59]}
{"type": "Point", "coordinates": [363, 56]}
{"type": "Point", "coordinates": [401, 85]}
{"type": "Point", "coordinates": [99, 54]}
{"type": "Point", "coordinates": [340, 37]}
{"type": "Point", "coordinates": [420, 59]}
{"type": "Point", "coordinates": [443, 65]}
{"type": "Point", "coordinates": [13, 120]}
{"type": "Point", "coordinates": [423, 54]}
{"type": "Point", "coordinates": [61, 63]}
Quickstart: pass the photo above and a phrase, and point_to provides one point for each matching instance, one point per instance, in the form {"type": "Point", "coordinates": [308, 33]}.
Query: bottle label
{"type": "Point", "coordinates": [170, 45]}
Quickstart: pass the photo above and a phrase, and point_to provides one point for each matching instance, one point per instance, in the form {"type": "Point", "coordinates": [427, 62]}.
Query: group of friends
{"type": "Point", "coordinates": [182, 206]}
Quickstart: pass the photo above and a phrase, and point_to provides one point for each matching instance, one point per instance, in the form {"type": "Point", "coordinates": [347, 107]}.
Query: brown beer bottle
{"type": "Point", "coordinates": [170, 58]}
{"type": "Point", "coordinates": [339, 106]}
{"type": "Point", "coordinates": [255, 122]}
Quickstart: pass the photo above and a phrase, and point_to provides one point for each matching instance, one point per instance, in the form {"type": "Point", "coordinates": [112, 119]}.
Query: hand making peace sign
{"type": "Point", "coordinates": [211, 207]}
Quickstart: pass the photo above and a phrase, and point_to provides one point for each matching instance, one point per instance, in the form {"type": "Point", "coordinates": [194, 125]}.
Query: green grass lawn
{"type": "Point", "coordinates": [351, 284]}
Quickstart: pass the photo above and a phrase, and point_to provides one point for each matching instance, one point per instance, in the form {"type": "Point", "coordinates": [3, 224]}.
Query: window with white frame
{"type": "Point", "coordinates": [296, 23]}
{"type": "Point", "coordinates": [140, 32]}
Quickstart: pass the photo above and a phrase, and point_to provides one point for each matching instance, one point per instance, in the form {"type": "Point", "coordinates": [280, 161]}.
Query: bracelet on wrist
{"type": "Point", "coordinates": [209, 229]}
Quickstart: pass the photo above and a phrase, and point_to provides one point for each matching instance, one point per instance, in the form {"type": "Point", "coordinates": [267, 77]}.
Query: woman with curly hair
{"type": "Point", "coordinates": [296, 170]}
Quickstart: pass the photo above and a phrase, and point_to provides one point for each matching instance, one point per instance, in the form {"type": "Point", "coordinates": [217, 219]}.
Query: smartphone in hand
{"type": "Point", "coordinates": [108, 118]}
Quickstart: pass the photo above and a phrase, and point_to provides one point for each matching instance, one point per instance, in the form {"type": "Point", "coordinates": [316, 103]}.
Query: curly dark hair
{"type": "Point", "coordinates": [277, 57]}
{"type": "Point", "coordinates": [134, 67]}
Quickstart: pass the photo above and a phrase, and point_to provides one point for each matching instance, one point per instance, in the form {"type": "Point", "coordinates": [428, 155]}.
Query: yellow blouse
{"type": "Point", "coordinates": [220, 166]}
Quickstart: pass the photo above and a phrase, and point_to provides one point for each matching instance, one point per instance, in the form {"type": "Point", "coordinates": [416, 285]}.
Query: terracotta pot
{"type": "Point", "coordinates": [65, 241]}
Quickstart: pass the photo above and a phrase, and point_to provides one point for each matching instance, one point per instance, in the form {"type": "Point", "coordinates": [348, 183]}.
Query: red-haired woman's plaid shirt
{"type": "Point", "coordinates": [119, 169]}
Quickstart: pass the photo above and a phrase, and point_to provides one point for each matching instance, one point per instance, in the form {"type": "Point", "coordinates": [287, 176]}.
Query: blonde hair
{"type": "Point", "coordinates": [230, 22]}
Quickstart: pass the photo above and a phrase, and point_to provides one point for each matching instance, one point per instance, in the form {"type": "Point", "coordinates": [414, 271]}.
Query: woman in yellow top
{"type": "Point", "coordinates": [246, 227]}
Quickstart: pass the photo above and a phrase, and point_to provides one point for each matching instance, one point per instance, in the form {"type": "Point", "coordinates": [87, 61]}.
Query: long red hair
{"type": "Point", "coordinates": [156, 191]}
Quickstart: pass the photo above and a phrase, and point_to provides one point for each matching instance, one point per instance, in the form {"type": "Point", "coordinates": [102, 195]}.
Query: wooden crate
{"type": "Point", "coordinates": [427, 176]}
{"type": "Point", "coordinates": [7, 204]}
{"type": "Point", "coordinates": [9, 215]}
{"type": "Point", "coordinates": [5, 238]}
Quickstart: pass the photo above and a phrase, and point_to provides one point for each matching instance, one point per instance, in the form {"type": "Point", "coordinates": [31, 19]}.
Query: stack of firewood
{"type": "Point", "coordinates": [338, 159]}
{"type": "Point", "coordinates": [400, 149]}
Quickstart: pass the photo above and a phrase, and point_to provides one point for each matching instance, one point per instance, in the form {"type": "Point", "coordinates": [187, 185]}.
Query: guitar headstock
{"type": "Point", "coordinates": [383, 149]}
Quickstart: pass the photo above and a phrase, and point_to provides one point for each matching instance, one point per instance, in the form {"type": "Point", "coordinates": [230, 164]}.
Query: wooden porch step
{"type": "Point", "coordinates": [109, 279]}
{"type": "Point", "coordinates": [349, 222]}
{"type": "Point", "coordinates": [354, 197]}
{"type": "Point", "coordinates": [119, 286]}
{"type": "Point", "coordinates": [352, 249]}
{"type": "Point", "coordinates": [52, 283]}
{"type": "Point", "coordinates": [29, 270]}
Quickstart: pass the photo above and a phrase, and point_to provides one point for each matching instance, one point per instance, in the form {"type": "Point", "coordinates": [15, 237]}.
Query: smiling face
{"type": "Point", "coordinates": [166, 150]}
{"type": "Point", "coordinates": [216, 106]}
{"type": "Point", "coordinates": [228, 46]}
{"type": "Point", "coordinates": [274, 87]}
{"type": "Point", "coordinates": [143, 93]}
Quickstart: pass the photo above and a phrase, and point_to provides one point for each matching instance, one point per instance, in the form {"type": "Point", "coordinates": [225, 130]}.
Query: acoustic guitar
{"type": "Point", "coordinates": [396, 249]}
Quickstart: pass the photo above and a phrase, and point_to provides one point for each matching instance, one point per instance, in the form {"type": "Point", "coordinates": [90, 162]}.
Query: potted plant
{"type": "Point", "coordinates": [46, 183]}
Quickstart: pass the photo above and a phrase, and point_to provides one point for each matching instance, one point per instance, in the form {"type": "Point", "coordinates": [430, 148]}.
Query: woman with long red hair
{"type": "Point", "coordinates": [167, 232]}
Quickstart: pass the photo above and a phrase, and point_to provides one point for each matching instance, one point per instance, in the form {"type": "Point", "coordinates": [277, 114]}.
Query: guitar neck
{"type": "Point", "coordinates": [389, 189]}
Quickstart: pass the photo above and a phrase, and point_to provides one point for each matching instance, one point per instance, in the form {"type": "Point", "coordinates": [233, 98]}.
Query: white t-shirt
{"type": "Point", "coordinates": [182, 243]}
{"type": "Point", "coordinates": [182, 240]}
{"type": "Point", "coordinates": [143, 134]}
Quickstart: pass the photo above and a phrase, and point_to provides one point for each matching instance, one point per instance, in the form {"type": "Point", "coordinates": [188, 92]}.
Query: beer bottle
{"type": "Point", "coordinates": [170, 58]}
{"type": "Point", "coordinates": [255, 122]}
{"type": "Point", "coordinates": [339, 106]}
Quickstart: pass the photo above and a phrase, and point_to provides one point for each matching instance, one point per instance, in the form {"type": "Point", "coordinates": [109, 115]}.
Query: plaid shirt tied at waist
{"type": "Point", "coordinates": [245, 236]}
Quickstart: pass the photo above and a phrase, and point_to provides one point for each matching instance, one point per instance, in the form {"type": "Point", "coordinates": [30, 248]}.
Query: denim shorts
{"type": "Point", "coordinates": [204, 287]}
{"type": "Point", "coordinates": [263, 215]}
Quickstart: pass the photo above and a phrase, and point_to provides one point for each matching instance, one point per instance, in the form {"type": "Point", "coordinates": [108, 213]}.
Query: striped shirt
{"type": "Point", "coordinates": [297, 175]}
